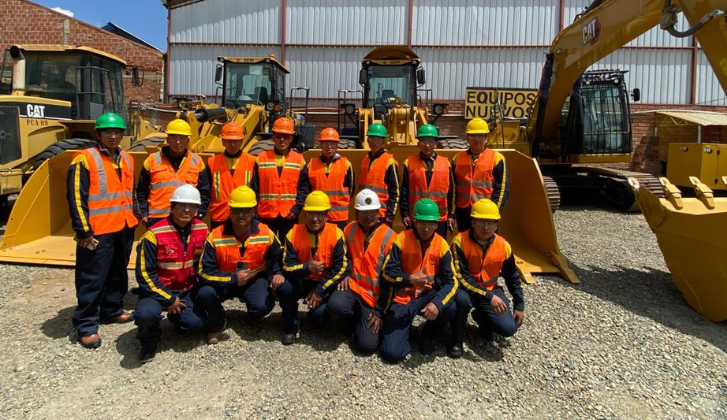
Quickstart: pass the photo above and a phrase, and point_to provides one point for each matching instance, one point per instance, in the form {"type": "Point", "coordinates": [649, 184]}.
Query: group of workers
{"type": "Point", "coordinates": [374, 280]}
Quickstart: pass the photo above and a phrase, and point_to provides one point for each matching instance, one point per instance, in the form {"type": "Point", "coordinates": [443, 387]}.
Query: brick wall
{"type": "Point", "coordinates": [25, 22]}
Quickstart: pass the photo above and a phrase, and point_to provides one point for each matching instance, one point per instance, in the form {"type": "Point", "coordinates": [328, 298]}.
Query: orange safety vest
{"type": "Point", "coordinates": [223, 182]}
{"type": "Point", "coordinates": [164, 180]}
{"type": "Point", "coordinates": [227, 249]}
{"type": "Point", "coordinates": [368, 263]}
{"type": "Point", "coordinates": [490, 265]}
{"type": "Point", "coordinates": [110, 199]}
{"type": "Point", "coordinates": [374, 178]}
{"type": "Point", "coordinates": [438, 187]}
{"type": "Point", "coordinates": [472, 185]}
{"type": "Point", "coordinates": [326, 241]}
{"type": "Point", "coordinates": [278, 192]}
{"type": "Point", "coordinates": [412, 261]}
{"type": "Point", "coordinates": [331, 183]}
{"type": "Point", "coordinates": [175, 265]}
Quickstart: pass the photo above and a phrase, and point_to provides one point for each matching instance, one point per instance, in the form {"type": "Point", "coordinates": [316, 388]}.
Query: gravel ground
{"type": "Point", "coordinates": [623, 344]}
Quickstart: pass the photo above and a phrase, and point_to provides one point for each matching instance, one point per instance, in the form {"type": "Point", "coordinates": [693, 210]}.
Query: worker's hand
{"type": "Point", "coordinates": [375, 323]}
{"type": "Point", "coordinates": [145, 220]}
{"type": "Point", "coordinates": [177, 307]}
{"type": "Point", "coordinates": [389, 222]}
{"type": "Point", "coordinates": [291, 216]}
{"type": "Point", "coordinates": [451, 223]}
{"type": "Point", "coordinates": [315, 267]}
{"type": "Point", "coordinates": [343, 285]}
{"type": "Point", "coordinates": [406, 221]}
{"type": "Point", "coordinates": [314, 300]}
{"type": "Point", "coordinates": [242, 277]}
{"type": "Point", "coordinates": [498, 305]}
{"type": "Point", "coordinates": [418, 278]}
{"type": "Point", "coordinates": [277, 281]}
{"type": "Point", "coordinates": [519, 316]}
{"type": "Point", "coordinates": [430, 312]}
{"type": "Point", "coordinates": [83, 243]}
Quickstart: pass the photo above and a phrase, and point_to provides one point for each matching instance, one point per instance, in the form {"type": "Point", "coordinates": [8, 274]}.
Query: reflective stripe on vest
{"type": "Point", "coordinates": [224, 182]}
{"type": "Point", "coordinates": [472, 185]}
{"type": "Point", "coordinates": [367, 264]}
{"type": "Point", "coordinates": [374, 178]}
{"type": "Point", "coordinates": [412, 261]}
{"type": "Point", "coordinates": [331, 183]}
{"type": "Point", "coordinates": [325, 242]}
{"type": "Point", "coordinates": [227, 249]}
{"type": "Point", "coordinates": [490, 265]}
{"type": "Point", "coordinates": [437, 188]}
{"type": "Point", "coordinates": [277, 192]}
{"type": "Point", "coordinates": [110, 199]}
{"type": "Point", "coordinates": [164, 180]}
{"type": "Point", "coordinates": [175, 265]}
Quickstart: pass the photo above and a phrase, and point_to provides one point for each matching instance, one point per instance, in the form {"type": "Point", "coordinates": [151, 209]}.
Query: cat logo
{"type": "Point", "coordinates": [591, 32]}
{"type": "Point", "coordinates": [36, 111]}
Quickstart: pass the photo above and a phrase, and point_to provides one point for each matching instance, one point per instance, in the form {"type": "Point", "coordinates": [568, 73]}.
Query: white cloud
{"type": "Point", "coordinates": [64, 11]}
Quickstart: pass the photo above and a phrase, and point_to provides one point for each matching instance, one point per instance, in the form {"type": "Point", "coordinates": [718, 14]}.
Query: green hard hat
{"type": "Point", "coordinates": [376, 130]}
{"type": "Point", "coordinates": [427, 130]}
{"type": "Point", "coordinates": [426, 209]}
{"type": "Point", "coordinates": [110, 120]}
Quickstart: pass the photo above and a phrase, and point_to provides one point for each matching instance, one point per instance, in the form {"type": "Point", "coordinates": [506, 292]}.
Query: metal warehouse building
{"type": "Point", "coordinates": [495, 43]}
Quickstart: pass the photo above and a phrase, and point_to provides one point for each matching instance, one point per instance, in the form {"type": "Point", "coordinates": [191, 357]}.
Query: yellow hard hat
{"type": "Point", "coordinates": [179, 127]}
{"type": "Point", "coordinates": [485, 208]}
{"type": "Point", "coordinates": [478, 126]}
{"type": "Point", "coordinates": [317, 201]}
{"type": "Point", "coordinates": [242, 198]}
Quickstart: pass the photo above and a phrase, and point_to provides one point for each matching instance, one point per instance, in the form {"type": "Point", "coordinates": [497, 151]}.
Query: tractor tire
{"type": "Point", "coordinates": [453, 144]}
{"type": "Point", "coordinates": [261, 146]}
{"type": "Point", "coordinates": [141, 145]}
{"type": "Point", "coordinates": [347, 144]}
{"type": "Point", "coordinates": [59, 147]}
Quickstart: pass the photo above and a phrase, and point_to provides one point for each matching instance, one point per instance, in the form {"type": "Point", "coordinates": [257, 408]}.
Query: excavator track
{"type": "Point", "coordinates": [616, 190]}
{"type": "Point", "coordinates": [551, 187]}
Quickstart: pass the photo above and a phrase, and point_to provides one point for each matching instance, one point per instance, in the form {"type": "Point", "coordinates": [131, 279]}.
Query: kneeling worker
{"type": "Point", "coordinates": [481, 256]}
{"type": "Point", "coordinates": [241, 259]}
{"type": "Point", "coordinates": [165, 269]}
{"type": "Point", "coordinates": [420, 271]}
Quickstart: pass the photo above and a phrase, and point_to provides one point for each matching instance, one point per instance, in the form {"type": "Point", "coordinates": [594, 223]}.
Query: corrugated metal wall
{"type": "Point", "coordinates": [462, 43]}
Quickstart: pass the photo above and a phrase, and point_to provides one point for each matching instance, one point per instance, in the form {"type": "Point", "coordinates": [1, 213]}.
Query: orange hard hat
{"type": "Point", "coordinates": [232, 131]}
{"type": "Point", "coordinates": [283, 125]}
{"type": "Point", "coordinates": [329, 134]}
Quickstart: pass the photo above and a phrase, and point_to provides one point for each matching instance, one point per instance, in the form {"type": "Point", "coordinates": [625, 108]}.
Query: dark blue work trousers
{"type": "Point", "coordinates": [101, 280]}
{"type": "Point", "coordinates": [397, 324]}
{"type": "Point", "coordinates": [148, 317]}
{"type": "Point", "coordinates": [487, 320]}
{"type": "Point", "coordinates": [255, 294]}
{"type": "Point", "coordinates": [348, 305]}
{"type": "Point", "coordinates": [289, 293]}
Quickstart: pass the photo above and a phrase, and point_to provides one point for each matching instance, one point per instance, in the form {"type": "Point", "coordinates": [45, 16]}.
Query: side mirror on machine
{"type": "Point", "coordinates": [363, 77]}
{"type": "Point", "coordinates": [421, 78]}
{"type": "Point", "coordinates": [218, 74]}
{"type": "Point", "coordinates": [636, 94]}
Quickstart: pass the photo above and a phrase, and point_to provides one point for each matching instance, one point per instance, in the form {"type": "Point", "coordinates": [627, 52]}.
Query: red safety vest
{"type": "Point", "coordinates": [223, 182]}
{"type": "Point", "coordinates": [412, 261]}
{"type": "Point", "coordinates": [175, 265]}
{"type": "Point", "coordinates": [164, 180]}
{"type": "Point", "coordinates": [490, 265]}
{"type": "Point", "coordinates": [374, 178]}
{"type": "Point", "coordinates": [110, 199]}
{"type": "Point", "coordinates": [438, 187]}
{"type": "Point", "coordinates": [331, 183]}
{"type": "Point", "coordinates": [227, 249]}
{"type": "Point", "coordinates": [472, 185]}
{"type": "Point", "coordinates": [326, 239]}
{"type": "Point", "coordinates": [368, 263]}
{"type": "Point", "coordinates": [278, 192]}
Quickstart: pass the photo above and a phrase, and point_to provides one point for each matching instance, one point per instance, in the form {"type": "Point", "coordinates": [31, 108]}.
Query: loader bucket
{"type": "Point", "coordinates": [691, 233]}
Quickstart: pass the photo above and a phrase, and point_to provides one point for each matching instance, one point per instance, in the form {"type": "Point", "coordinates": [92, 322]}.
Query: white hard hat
{"type": "Point", "coordinates": [186, 194]}
{"type": "Point", "coordinates": [367, 200]}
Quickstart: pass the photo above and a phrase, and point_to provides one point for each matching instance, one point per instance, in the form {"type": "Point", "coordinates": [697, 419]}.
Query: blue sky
{"type": "Point", "coordinates": [146, 19]}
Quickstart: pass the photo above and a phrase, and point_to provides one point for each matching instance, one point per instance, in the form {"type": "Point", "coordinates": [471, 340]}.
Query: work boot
{"type": "Point", "coordinates": [455, 350]}
{"type": "Point", "coordinates": [426, 345]}
{"type": "Point", "coordinates": [289, 339]}
{"type": "Point", "coordinates": [126, 316]}
{"type": "Point", "coordinates": [147, 355]}
{"type": "Point", "coordinates": [92, 341]}
{"type": "Point", "coordinates": [215, 337]}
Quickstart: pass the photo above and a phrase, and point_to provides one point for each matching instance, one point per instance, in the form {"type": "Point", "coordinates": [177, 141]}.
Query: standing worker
{"type": "Point", "coordinates": [226, 171]}
{"type": "Point", "coordinates": [332, 174]}
{"type": "Point", "coordinates": [380, 173]}
{"type": "Point", "coordinates": [168, 169]}
{"type": "Point", "coordinates": [479, 172]}
{"type": "Point", "coordinates": [480, 257]}
{"type": "Point", "coordinates": [166, 262]}
{"type": "Point", "coordinates": [419, 269]}
{"type": "Point", "coordinates": [241, 259]}
{"type": "Point", "coordinates": [276, 178]}
{"type": "Point", "coordinates": [100, 187]}
{"type": "Point", "coordinates": [314, 262]}
{"type": "Point", "coordinates": [368, 242]}
{"type": "Point", "coordinates": [427, 175]}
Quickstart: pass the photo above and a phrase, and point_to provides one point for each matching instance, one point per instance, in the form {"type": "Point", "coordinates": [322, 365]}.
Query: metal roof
{"type": "Point", "coordinates": [703, 118]}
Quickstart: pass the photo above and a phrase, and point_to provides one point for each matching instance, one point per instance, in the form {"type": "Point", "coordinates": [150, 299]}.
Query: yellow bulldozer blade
{"type": "Point", "coordinates": [691, 233]}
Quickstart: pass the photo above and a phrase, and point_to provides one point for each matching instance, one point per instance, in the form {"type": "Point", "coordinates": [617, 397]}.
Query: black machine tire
{"type": "Point", "coordinates": [453, 144]}
{"type": "Point", "coordinates": [140, 146]}
{"type": "Point", "coordinates": [59, 147]}
{"type": "Point", "coordinates": [347, 144]}
{"type": "Point", "coordinates": [553, 193]}
{"type": "Point", "coordinates": [261, 146]}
